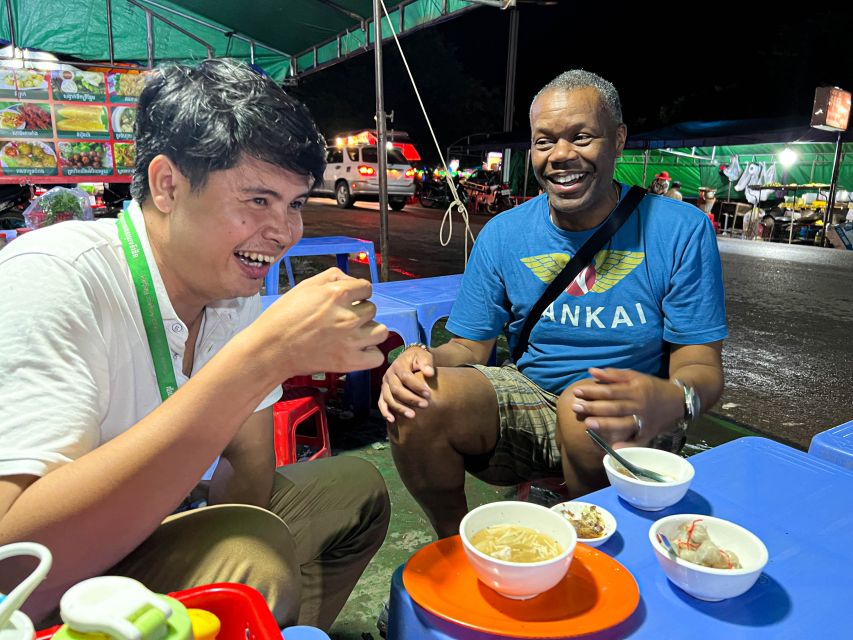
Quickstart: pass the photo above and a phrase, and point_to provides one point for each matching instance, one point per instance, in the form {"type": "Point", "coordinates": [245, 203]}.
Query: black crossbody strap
{"type": "Point", "coordinates": [578, 262]}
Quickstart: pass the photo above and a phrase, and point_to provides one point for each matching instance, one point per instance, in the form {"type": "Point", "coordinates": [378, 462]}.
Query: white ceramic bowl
{"type": "Point", "coordinates": [575, 507]}
{"type": "Point", "coordinates": [519, 580]}
{"type": "Point", "coordinates": [647, 494]}
{"type": "Point", "coordinates": [706, 583]}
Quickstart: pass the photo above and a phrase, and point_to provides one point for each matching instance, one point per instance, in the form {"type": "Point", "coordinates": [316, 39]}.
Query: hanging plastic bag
{"type": "Point", "coordinates": [58, 205]}
{"type": "Point", "coordinates": [733, 171]}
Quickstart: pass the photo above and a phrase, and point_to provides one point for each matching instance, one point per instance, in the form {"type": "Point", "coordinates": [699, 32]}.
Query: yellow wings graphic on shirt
{"type": "Point", "coordinates": [610, 266]}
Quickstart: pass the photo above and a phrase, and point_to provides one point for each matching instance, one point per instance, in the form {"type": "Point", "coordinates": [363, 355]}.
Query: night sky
{"type": "Point", "coordinates": [670, 62]}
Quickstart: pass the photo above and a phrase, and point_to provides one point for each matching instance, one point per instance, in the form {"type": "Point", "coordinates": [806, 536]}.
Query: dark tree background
{"type": "Point", "coordinates": [670, 62]}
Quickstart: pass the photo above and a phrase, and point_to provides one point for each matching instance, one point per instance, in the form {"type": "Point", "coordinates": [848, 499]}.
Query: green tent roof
{"type": "Point", "coordinates": [291, 37]}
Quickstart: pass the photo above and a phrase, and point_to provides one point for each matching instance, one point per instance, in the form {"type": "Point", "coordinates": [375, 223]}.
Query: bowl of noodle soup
{"type": "Point", "coordinates": [518, 549]}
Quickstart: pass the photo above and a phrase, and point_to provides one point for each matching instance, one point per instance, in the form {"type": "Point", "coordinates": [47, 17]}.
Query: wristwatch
{"type": "Point", "coordinates": [692, 404]}
{"type": "Point", "coordinates": [420, 345]}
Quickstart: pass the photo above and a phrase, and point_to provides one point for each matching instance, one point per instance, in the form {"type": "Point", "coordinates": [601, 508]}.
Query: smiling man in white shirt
{"type": "Point", "coordinates": [139, 354]}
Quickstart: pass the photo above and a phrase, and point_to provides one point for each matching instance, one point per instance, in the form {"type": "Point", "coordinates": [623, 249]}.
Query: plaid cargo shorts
{"type": "Point", "coordinates": [527, 444]}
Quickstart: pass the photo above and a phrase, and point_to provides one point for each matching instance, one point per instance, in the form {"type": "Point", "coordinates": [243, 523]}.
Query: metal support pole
{"type": "Point", "coordinates": [381, 149]}
{"type": "Point", "coordinates": [509, 91]}
{"type": "Point", "coordinates": [149, 15]}
{"type": "Point", "coordinates": [833, 185]}
{"type": "Point", "coordinates": [252, 51]}
{"type": "Point", "coordinates": [149, 38]}
{"type": "Point", "coordinates": [526, 168]}
{"type": "Point", "coordinates": [110, 31]}
{"type": "Point", "coordinates": [645, 166]}
{"type": "Point", "coordinates": [11, 26]}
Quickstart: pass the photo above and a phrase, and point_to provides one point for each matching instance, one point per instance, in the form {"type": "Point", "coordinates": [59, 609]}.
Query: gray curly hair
{"type": "Point", "coordinates": [581, 79]}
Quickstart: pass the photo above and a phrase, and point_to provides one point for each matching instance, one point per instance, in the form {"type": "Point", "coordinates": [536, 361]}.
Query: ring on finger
{"type": "Point", "coordinates": [638, 422]}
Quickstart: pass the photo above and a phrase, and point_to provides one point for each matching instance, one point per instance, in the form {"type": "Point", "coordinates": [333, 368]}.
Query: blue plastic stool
{"type": "Point", "coordinates": [339, 246]}
{"type": "Point", "coordinates": [835, 445]}
{"type": "Point", "coordinates": [302, 632]}
{"type": "Point", "coordinates": [407, 620]}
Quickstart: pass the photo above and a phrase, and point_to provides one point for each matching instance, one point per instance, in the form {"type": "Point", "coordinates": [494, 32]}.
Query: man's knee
{"type": "Point", "coordinates": [372, 498]}
{"type": "Point", "coordinates": [256, 547]}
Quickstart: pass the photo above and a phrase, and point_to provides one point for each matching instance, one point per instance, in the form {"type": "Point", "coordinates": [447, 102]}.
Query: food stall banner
{"type": "Point", "coordinates": [67, 126]}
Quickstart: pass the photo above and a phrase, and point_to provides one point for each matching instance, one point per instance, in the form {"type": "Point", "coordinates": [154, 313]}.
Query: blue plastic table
{"type": "Point", "coordinates": [399, 317]}
{"type": "Point", "coordinates": [432, 298]}
{"type": "Point", "coordinates": [801, 507]}
{"type": "Point", "coordinates": [835, 445]}
{"type": "Point", "coordinates": [340, 246]}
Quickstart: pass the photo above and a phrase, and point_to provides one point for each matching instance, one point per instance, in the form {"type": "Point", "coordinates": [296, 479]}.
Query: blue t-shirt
{"type": "Point", "coordinates": [657, 281]}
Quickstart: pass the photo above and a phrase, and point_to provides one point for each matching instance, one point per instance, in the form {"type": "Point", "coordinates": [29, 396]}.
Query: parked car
{"type": "Point", "coordinates": [352, 173]}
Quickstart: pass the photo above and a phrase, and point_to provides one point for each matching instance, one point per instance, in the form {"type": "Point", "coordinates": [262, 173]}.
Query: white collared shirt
{"type": "Point", "coordinates": [75, 368]}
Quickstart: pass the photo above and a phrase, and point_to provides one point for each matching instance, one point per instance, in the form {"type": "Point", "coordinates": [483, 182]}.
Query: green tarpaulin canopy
{"type": "Point", "coordinates": [291, 37]}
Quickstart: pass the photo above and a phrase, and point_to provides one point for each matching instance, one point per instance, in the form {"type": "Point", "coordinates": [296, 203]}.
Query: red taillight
{"type": "Point", "coordinates": [365, 170]}
{"type": "Point", "coordinates": [410, 173]}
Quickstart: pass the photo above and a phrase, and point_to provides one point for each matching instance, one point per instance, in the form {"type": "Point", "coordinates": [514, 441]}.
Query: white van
{"type": "Point", "coordinates": [352, 173]}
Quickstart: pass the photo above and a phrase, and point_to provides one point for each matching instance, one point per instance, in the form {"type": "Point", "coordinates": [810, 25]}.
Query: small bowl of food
{"type": "Point", "coordinates": [711, 559]}
{"type": "Point", "coordinates": [648, 494]}
{"type": "Point", "coordinates": [593, 524]}
{"type": "Point", "coordinates": [518, 549]}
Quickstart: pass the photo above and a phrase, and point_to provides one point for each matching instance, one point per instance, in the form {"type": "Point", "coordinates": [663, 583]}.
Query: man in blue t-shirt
{"type": "Point", "coordinates": [630, 349]}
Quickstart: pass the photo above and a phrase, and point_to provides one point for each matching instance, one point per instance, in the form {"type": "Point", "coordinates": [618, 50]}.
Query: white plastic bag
{"type": "Point", "coordinates": [58, 205]}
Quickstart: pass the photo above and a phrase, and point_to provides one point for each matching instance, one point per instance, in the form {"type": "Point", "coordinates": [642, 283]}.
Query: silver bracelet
{"type": "Point", "coordinates": [416, 344]}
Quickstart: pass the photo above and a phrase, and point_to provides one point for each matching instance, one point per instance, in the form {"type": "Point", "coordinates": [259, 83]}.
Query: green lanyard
{"type": "Point", "coordinates": [151, 318]}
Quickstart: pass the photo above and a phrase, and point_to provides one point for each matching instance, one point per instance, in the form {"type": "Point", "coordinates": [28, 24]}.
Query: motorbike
{"type": "Point", "coordinates": [437, 193]}
{"type": "Point", "coordinates": [488, 194]}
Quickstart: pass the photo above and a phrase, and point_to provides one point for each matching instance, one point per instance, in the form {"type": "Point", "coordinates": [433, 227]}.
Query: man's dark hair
{"type": "Point", "coordinates": [207, 117]}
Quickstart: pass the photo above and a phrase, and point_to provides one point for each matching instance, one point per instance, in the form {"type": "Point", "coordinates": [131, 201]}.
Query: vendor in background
{"type": "Point", "coordinates": [110, 430]}
{"type": "Point", "coordinates": [660, 184]}
{"type": "Point", "coordinates": [674, 191]}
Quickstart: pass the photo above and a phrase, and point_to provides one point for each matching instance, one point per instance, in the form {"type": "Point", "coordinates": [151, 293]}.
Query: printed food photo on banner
{"type": "Point", "coordinates": [124, 122]}
{"type": "Point", "coordinates": [19, 158]}
{"type": "Point", "coordinates": [125, 87]}
{"type": "Point", "coordinates": [85, 158]}
{"type": "Point", "coordinates": [80, 86]}
{"type": "Point", "coordinates": [125, 157]}
{"type": "Point", "coordinates": [25, 120]}
{"type": "Point", "coordinates": [81, 121]}
{"type": "Point", "coordinates": [23, 83]}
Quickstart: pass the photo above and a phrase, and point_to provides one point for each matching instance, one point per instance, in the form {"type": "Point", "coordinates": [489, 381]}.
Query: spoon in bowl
{"type": "Point", "coordinates": [638, 472]}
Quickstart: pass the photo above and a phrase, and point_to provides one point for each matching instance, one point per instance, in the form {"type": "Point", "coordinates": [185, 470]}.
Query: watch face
{"type": "Point", "coordinates": [691, 402]}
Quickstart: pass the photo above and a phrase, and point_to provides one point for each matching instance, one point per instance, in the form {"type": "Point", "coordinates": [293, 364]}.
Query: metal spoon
{"type": "Point", "coordinates": [666, 544]}
{"type": "Point", "coordinates": [638, 472]}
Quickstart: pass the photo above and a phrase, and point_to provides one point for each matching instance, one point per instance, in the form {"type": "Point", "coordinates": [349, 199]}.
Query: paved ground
{"type": "Point", "coordinates": [789, 356]}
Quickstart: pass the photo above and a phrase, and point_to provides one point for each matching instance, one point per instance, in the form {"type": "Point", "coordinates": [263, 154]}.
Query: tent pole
{"type": "Point", "coordinates": [149, 39]}
{"type": "Point", "coordinates": [212, 26]}
{"type": "Point", "coordinates": [833, 185]}
{"type": "Point", "coordinates": [509, 90]}
{"type": "Point", "coordinates": [110, 31]}
{"type": "Point", "coordinates": [381, 149]}
{"type": "Point", "coordinates": [148, 20]}
{"type": "Point", "coordinates": [11, 26]}
{"type": "Point", "coordinates": [526, 168]}
{"type": "Point", "coordinates": [645, 166]}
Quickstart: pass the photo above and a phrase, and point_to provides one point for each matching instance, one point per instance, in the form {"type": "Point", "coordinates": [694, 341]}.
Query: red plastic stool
{"type": "Point", "coordinates": [295, 407]}
{"type": "Point", "coordinates": [327, 383]}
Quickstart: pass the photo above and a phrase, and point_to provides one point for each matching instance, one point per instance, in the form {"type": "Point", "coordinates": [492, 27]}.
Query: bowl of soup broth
{"type": "Point", "coordinates": [518, 549]}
